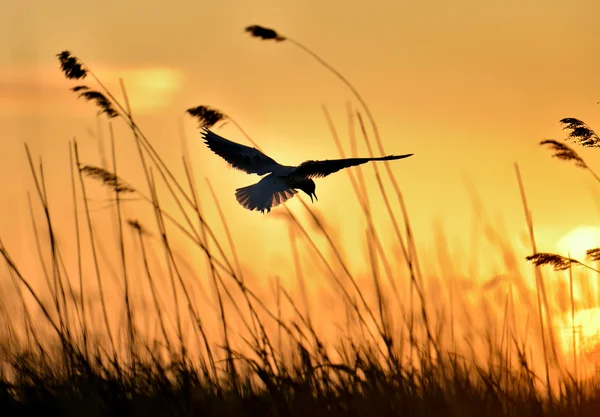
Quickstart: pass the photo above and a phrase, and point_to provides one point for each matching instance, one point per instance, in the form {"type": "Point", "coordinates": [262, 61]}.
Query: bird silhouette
{"type": "Point", "coordinates": [283, 181]}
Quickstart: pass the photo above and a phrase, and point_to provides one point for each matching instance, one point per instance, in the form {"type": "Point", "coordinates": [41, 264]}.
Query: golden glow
{"type": "Point", "coordinates": [577, 241]}
{"type": "Point", "coordinates": [587, 336]}
{"type": "Point", "coordinates": [468, 88]}
{"type": "Point", "coordinates": [149, 89]}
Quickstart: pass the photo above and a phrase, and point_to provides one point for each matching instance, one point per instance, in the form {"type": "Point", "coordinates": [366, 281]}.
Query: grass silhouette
{"type": "Point", "coordinates": [247, 355]}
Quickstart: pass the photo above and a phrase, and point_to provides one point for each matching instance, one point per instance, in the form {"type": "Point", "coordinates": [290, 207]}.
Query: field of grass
{"type": "Point", "coordinates": [148, 335]}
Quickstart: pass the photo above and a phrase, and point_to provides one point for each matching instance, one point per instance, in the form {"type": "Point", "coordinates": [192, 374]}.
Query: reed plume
{"type": "Point", "coordinates": [582, 135]}
{"type": "Point", "coordinates": [74, 69]}
{"type": "Point", "coordinates": [206, 116]}
{"type": "Point", "coordinates": [107, 178]}
{"type": "Point", "coordinates": [137, 226]}
{"type": "Point", "coordinates": [593, 254]}
{"type": "Point", "coordinates": [71, 66]}
{"type": "Point", "coordinates": [559, 262]}
{"type": "Point", "coordinates": [563, 152]}
{"type": "Point", "coordinates": [101, 100]}
{"type": "Point", "coordinates": [580, 132]}
{"type": "Point", "coordinates": [264, 33]}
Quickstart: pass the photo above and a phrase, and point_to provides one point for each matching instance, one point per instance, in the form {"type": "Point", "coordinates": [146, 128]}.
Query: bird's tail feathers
{"type": "Point", "coordinates": [262, 196]}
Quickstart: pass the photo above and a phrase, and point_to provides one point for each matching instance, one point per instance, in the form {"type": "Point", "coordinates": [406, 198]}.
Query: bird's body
{"type": "Point", "coordinates": [282, 182]}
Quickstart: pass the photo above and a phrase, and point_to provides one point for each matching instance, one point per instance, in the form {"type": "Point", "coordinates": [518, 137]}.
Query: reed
{"type": "Point", "coordinates": [241, 353]}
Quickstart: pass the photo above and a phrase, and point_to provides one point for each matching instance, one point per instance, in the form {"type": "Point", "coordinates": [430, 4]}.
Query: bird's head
{"type": "Point", "coordinates": [309, 187]}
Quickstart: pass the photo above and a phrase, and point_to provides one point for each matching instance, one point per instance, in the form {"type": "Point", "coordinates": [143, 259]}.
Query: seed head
{"type": "Point", "coordinates": [580, 133]}
{"type": "Point", "coordinates": [560, 263]}
{"type": "Point", "coordinates": [71, 66]}
{"type": "Point", "coordinates": [206, 116]}
{"type": "Point", "coordinates": [264, 33]}
{"type": "Point", "coordinates": [563, 152]}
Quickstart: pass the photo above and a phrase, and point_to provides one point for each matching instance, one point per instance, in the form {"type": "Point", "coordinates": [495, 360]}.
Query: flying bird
{"type": "Point", "coordinates": [283, 181]}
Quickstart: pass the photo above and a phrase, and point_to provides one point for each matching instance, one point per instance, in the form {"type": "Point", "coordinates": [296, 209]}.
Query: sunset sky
{"type": "Point", "coordinates": [469, 87]}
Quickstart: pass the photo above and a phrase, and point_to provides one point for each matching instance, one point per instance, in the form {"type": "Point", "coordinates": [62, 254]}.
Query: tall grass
{"type": "Point", "coordinates": [241, 353]}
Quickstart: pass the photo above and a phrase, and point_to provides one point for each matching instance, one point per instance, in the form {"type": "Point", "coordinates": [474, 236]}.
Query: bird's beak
{"type": "Point", "coordinates": [311, 197]}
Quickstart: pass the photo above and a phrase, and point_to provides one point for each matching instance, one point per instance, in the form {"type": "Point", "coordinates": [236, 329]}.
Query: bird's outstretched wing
{"type": "Point", "coordinates": [244, 158]}
{"type": "Point", "coordinates": [316, 169]}
{"type": "Point", "coordinates": [268, 192]}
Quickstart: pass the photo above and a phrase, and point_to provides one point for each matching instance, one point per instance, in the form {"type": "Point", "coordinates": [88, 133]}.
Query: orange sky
{"type": "Point", "coordinates": [469, 88]}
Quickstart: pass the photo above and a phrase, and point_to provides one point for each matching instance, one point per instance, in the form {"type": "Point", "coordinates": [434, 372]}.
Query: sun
{"type": "Point", "coordinates": [149, 89]}
{"type": "Point", "coordinates": [153, 88]}
{"type": "Point", "coordinates": [578, 240]}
